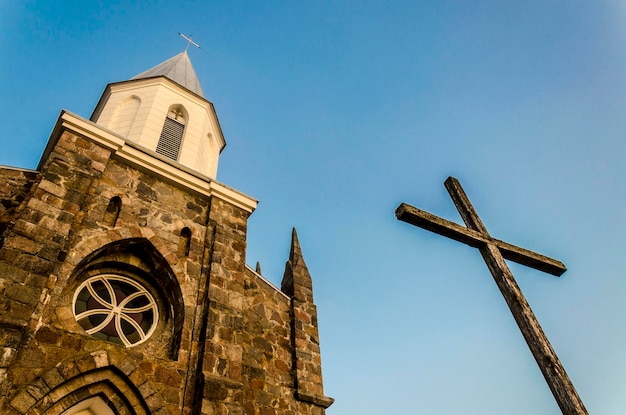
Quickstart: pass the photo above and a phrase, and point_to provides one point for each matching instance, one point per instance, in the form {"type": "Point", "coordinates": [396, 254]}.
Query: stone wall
{"type": "Point", "coordinates": [15, 185]}
{"type": "Point", "coordinates": [224, 339]}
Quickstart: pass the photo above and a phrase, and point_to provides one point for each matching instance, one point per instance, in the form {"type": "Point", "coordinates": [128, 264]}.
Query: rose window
{"type": "Point", "coordinates": [117, 309]}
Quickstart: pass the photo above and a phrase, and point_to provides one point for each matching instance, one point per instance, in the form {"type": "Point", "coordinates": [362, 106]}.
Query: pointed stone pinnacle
{"type": "Point", "coordinates": [258, 268]}
{"type": "Point", "coordinates": [296, 279]}
{"type": "Point", "coordinates": [295, 251]}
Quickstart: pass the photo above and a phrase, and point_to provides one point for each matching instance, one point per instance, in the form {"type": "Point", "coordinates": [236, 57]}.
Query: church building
{"type": "Point", "coordinates": [123, 283]}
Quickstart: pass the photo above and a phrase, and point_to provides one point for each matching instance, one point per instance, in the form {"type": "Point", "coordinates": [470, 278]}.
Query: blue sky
{"type": "Point", "coordinates": [335, 112]}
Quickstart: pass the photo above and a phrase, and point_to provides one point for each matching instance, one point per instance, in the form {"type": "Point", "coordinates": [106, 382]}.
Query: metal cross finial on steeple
{"type": "Point", "coordinates": [189, 41]}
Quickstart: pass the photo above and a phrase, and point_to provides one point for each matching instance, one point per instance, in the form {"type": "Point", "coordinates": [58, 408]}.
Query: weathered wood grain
{"type": "Point", "coordinates": [494, 251]}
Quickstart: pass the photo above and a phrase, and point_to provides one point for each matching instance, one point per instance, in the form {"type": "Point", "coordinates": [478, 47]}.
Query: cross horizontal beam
{"type": "Point", "coordinates": [444, 227]}
{"type": "Point", "coordinates": [189, 41]}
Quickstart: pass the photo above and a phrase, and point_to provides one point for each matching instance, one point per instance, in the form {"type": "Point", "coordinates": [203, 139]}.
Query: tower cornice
{"type": "Point", "coordinates": [146, 160]}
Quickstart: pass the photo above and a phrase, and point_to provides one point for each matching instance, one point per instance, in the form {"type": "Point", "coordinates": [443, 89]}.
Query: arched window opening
{"type": "Point", "coordinates": [126, 293]}
{"type": "Point", "coordinates": [171, 137]}
{"type": "Point", "coordinates": [116, 309]}
{"type": "Point", "coordinates": [113, 211]}
{"type": "Point", "coordinates": [185, 242]}
{"type": "Point", "coordinates": [124, 116]}
{"type": "Point", "coordinates": [91, 406]}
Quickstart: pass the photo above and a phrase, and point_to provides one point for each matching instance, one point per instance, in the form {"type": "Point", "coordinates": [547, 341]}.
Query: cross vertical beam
{"type": "Point", "coordinates": [494, 252]}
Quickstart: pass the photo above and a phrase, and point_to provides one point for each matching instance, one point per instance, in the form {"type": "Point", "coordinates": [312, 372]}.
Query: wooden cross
{"type": "Point", "coordinates": [494, 252]}
{"type": "Point", "coordinates": [189, 41]}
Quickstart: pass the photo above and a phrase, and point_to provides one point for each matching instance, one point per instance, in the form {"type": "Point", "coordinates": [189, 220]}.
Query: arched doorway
{"type": "Point", "coordinates": [91, 406]}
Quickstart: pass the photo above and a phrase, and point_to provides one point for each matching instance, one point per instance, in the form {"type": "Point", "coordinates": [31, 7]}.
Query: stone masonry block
{"type": "Point", "coordinates": [23, 294]}
{"type": "Point", "coordinates": [53, 378]}
{"type": "Point", "coordinates": [100, 358]}
{"type": "Point", "coordinates": [23, 402]}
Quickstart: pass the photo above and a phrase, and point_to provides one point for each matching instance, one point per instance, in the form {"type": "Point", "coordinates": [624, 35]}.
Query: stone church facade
{"type": "Point", "coordinates": [123, 282]}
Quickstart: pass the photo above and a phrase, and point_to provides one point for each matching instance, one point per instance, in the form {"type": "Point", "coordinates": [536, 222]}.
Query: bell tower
{"type": "Point", "coordinates": [164, 110]}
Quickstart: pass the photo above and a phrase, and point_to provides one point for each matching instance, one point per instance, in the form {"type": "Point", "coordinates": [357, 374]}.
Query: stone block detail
{"type": "Point", "coordinates": [15, 185]}
{"type": "Point", "coordinates": [226, 341]}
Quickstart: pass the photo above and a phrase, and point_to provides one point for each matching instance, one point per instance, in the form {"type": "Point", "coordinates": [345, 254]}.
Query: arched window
{"type": "Point", "coordinates": [113, 211]}
{"type": "Point", "coordinates": [126, 293]}
{"type": "Point", "coordinates": [115, 308]}
{"type": "Point", "coordinates": [171, 137]}
{"type": "Point", "coordinates": [184, 242]}
{"type": "Point", "coordinates": [124, 116]}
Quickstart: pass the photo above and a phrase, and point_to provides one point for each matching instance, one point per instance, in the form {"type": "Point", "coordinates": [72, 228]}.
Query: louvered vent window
{"type": "Point", "coordinates": [171, 139]}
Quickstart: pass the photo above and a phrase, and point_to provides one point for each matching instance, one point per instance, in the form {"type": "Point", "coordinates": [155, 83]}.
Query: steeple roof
{"type": "Point", "coordinates": [179, 70]}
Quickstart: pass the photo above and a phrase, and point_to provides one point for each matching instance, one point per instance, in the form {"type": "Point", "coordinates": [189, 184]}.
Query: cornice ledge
{"type": "Point", "coordinates": [91, 130]}
{"type": "Point", "coordinates": [232, 196]}
{"type": "Point", "coordinates": [136, 155]}
{"type": "Point", "coordinates": [319, 400]}
{"type": "Point", "coordinates": [140, 157]}
{"type": "Point", "coordinates": [266, 281]}
{"type": "Point", "coordinates": [86, 128]}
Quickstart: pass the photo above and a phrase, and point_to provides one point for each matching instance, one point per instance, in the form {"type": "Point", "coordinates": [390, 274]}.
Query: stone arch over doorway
{"type": "Point", "coordinates": [90, 380]}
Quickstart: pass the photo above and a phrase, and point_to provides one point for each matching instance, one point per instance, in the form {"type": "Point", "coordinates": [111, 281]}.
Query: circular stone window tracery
{"type": "Point", "coordinates": [116, 309]}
